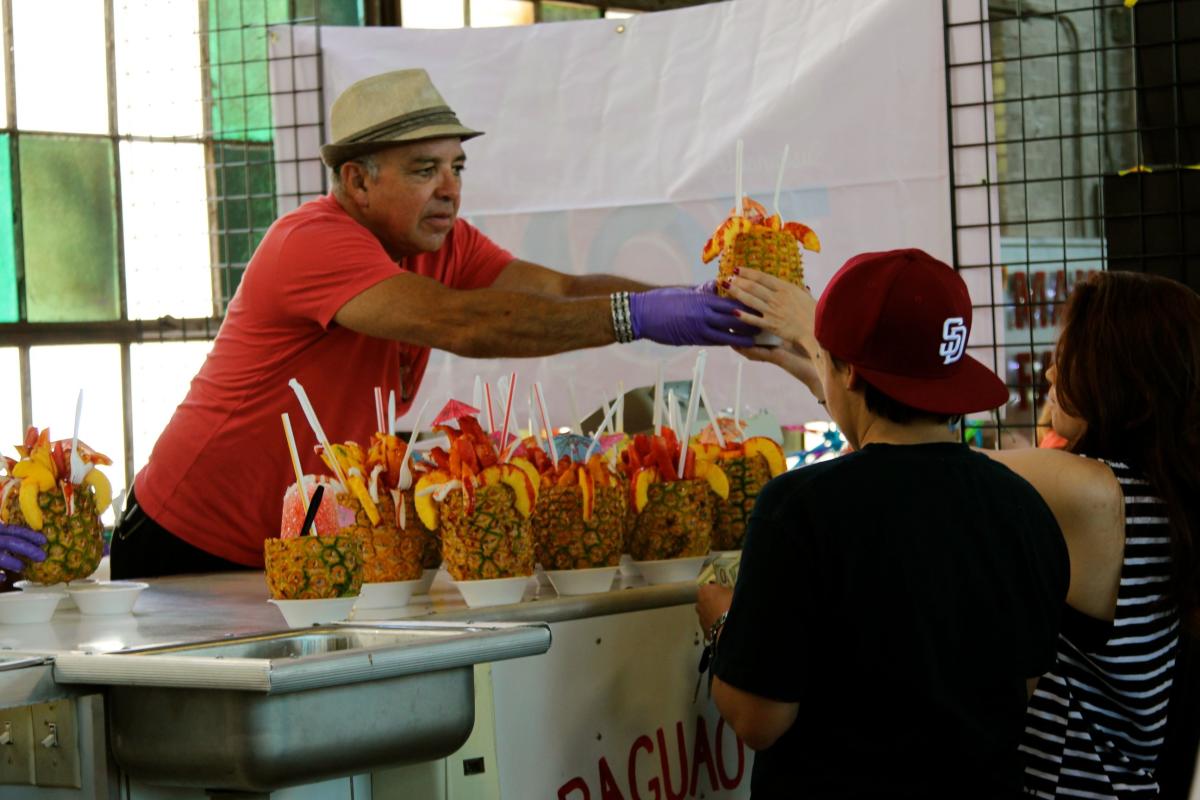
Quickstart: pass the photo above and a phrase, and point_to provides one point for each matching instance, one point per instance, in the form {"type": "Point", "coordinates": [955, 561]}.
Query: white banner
{"type": "Point", "coordinates": [610, 149]}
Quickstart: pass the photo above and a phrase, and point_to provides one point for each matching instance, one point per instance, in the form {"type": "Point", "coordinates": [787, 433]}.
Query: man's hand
{"type": "Point", "coordinates": [781, 308]}
{"type": "Point", "coordinates": [678, 316]}
{"type": "Point", "coordinates": [17, 541]}
{"type": "Point", "coordinates": [712, 600]}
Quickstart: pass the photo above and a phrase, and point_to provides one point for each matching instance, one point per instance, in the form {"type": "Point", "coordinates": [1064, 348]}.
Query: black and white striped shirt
{"type": "Point", "coordinates": [1095, 725]}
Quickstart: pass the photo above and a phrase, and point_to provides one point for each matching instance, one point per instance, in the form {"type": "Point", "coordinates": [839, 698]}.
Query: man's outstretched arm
{"type": "Point", "coordinates": [499, 322]}
{"type": "Point", "coordinates": [524, 276]}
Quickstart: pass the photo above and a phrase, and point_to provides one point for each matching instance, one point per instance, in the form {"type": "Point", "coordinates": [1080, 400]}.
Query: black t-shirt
{"type": "Point", "coordinates": [901, 595]}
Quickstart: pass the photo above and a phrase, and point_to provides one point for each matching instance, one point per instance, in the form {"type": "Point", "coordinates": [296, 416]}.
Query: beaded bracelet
{"type": "Point", "coordinates": [622, 322]}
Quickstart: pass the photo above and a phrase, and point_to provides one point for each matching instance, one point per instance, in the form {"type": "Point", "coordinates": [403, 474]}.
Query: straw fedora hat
{"type": "Point", "coordinates": [388, 109]}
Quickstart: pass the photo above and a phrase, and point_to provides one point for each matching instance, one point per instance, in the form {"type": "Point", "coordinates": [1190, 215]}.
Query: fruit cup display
{"type": "Point", "coordinates": [748, 464]}
{"type": "Point", "coordinates": [673, 511]}
{"type": "Point", "coordinates": [479, 505]}
{"type": "Point", "coordinates": [313, 567]}
{"type": "Point", "coordinates": [578, 520]}
{"type": "Point", "coordinates": [40, 492]}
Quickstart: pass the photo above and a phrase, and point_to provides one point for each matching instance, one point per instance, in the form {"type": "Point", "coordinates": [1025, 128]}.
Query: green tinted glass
{"type": "Point", "coordinates": [564, 12]}
{"type": "Point", "coordinates": [69, 228]}
{"type": "Point", "coordinates": [9, 308]}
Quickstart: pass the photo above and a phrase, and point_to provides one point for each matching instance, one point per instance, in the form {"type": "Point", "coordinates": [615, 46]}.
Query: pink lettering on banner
{"type": "Point", "coordinates": [656, 776]}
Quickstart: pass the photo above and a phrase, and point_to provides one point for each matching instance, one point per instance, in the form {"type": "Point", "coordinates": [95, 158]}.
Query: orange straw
{"type": "Point", "coordinates": [291, 443]}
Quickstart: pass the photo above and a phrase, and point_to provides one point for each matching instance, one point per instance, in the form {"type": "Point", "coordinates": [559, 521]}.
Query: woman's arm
{"type": "Point", "coordinates": [1087, 501]}
{"type": "Point", "coordinates": [792, 360]}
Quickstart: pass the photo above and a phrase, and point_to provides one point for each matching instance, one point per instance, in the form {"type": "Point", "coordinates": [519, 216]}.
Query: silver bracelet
{"type": "Point", "coordinates": [622, 322]}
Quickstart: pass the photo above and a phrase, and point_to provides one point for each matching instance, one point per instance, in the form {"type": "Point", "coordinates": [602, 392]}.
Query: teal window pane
{"type": "Point", "coordinates": [238, 31]}
{"type": "Point", "coordinates": [565, 12]}
{"type": "Point", "coordinates": [69, 229]}
{"type": "Point", "coordinates": [332, 12]}
{"type": "Point", "coordinates": [244, 180]}
{"type": "Point", "coordinates": [10, 310]}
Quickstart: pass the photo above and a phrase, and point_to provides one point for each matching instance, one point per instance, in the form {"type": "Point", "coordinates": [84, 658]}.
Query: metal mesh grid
{"type": "Point", "coordinates": [1052, 142]}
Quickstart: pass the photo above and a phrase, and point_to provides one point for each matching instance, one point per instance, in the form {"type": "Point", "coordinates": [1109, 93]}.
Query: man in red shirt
{"type": "Point", "coordinates": [349, 292]}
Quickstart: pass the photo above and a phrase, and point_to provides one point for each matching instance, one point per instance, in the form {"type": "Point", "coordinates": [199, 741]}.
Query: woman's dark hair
{"type": "Point", "coordinates": [1128, 364]}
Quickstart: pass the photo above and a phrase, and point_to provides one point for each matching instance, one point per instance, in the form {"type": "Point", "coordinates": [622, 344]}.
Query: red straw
{"type": "Point", "coordinates": [379, 410]}
{"type": "Point", "coordinates": [512, 384]}
{"type": "Point", "coordinates": [487, 396]}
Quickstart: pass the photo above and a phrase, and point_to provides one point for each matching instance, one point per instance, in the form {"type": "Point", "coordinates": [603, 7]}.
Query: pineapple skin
{"type": "Point", "coordinates": [747, 477]}
{"type": "Point", "coordinates": [564, 540]}
{"type": "Point", "coordinates": [676, 522]}
{"type": "Point", "coordinates": [313, 567]}
{"type": "Point", "coordinates": [389, 554]}
{"type": "Point", "coordinates": [74, 543]}
{"type": "Point", "coordinates": [773, 252]}
{"type": "Point", "coordinates": [494, 541]}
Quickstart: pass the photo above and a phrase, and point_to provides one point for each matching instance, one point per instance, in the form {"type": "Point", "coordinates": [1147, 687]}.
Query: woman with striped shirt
{"type": "Point", "coordinates": [1126, 391]}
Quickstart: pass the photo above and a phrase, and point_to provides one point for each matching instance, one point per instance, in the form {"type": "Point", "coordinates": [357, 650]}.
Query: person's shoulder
{"type": "Point", "coordinates": [797, 485]}
{"type": "Point", "coordinates": [1060, 477]}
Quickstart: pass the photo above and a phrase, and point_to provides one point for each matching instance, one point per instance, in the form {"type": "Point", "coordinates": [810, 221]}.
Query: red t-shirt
{"type": "Point", "coordinates": [217, 474]}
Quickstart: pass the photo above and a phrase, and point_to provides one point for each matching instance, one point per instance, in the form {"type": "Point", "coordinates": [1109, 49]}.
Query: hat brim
{"type": "Point", "coordinates": [972, 387]}
{"type": "Point", "coordinates": [334, 155]}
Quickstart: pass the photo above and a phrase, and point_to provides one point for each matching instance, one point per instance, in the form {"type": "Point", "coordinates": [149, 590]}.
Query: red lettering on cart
{"type": "Point", "coordinates": [608, 784]}
{"type": "Point", "coordinates": [664, 759]}
{"type": "Point", "coordinates": [643, 742]}
{"type": "Point", "coordinates": [660, 782]}
{"type": "Point", "coordinates": [726, 781]}
{"type": "Point", "coordinates": [576, 784]}
{"type": "Point", "coordinates": [702, 753]}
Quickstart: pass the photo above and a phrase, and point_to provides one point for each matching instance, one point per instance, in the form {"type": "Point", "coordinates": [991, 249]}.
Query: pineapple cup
{"type": "Point", "coordinates": [389, 552]}
{"type": "Point", "coordinates": [775, 252]}
{"type": "Point", "coordinates": [747, 476]}
{"type": "Point", "coordinates": [493, 541]}
{"type": "Point", "coordinates": [676, 522]}
{"type": "Point", "coordinates": [313, 567]}
{"type": "Point", "coordinates": [74, 542]}
{"type": "Point", "coordinates": [564, 540]}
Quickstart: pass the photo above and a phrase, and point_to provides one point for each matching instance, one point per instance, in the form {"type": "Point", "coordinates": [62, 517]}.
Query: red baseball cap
{"type": "Point", "coordinates": [902, 318]}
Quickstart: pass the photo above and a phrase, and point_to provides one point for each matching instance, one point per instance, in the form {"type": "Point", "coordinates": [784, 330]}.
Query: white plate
{"type": "Point", "coordinates": [23, 608]}
{"type": "Point", "coordinates": [103, 597]}
{"type": "Point", "coordinates": [426, 581]}
{"type": "Point", "coordinates": [671, 570]}
{"type": "Point", "coordinates": [494, 591]}
{"type": "Point", "coordinates": [390, 594]}
{"type": "Point", "coordinates": [582, 581]}
{"type": "Point", "coordinates": [305, 613]}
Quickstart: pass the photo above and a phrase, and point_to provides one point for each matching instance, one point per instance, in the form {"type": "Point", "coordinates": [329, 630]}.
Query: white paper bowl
{"type": "Point", "coordinates": [306, 613]}
{"type": "Point", "coordinates": [23, 608]}
{"type": "Point", "coordinates": [102, 597]}
{"type": "Point", "coordinates": [425, 581]}
{"type": "Point", "coordinates": [494, 591]}
{"type": "Point", "coordinates": [582, 581]}
{"type": "Point", "coordinates": [67, 604]}
{"type": "Point", "coordinates": [671, 570]}
{"type": "Point", "coordinates": [390, 594]}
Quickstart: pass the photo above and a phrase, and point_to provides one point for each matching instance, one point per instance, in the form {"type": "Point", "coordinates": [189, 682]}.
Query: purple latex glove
{"type": "Point", "coordinates": [708, 287]}
{"type": "Point", "coordinates": [23, 542]}
{"type": "Point", "coordinates": [685, 316]}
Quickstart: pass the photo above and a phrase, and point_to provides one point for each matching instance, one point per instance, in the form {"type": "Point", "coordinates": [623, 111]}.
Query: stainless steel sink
{"type": "Point", "coordinates": [273, 710]}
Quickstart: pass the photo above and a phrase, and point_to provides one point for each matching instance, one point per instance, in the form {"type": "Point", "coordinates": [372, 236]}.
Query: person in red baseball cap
{"type": "Point", "coordinates": [891, 603]}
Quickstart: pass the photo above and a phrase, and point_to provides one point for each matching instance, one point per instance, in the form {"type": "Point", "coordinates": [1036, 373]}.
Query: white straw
{"type": "Point", "coordinates": [692, 409]}
{"type": "Point", "coordinates": [311, 415]}
{"type": "Point", "coordinates": [620, 424]}
{"type": "Point", "coordinates": [295, 455]}
{"type": "Point", "coordinates": [596, 438]}
{"type": "Point", "coordinates": [716, 422]}
{"type": "Point", "coordinates": [391, 425]}
{"type": "Point", "coordinates": [737, 179]}
{"type": "Point", "coordinates": [404, 479]}
{"type": "Point", "coordinates": [540, 396]}
{"type": "Point", "coordinates": [576, 417]}
{"type": "Point", "coordinates": [658, 401]}
{"type": "Point", "coordinates": [477, 393]}
{"type": "Point", "coordinates": [779, 179]}
{"type": "Point", "coordinates": [737, 401]}
{"type": "Point", "coordinates": [672, 412]}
